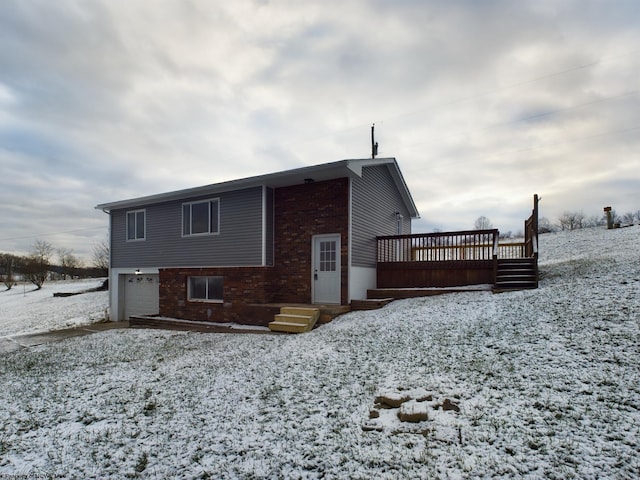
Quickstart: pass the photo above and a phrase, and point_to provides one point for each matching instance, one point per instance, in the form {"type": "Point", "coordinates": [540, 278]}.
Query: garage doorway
{"type": "Point", "coordinates": [141, 295]}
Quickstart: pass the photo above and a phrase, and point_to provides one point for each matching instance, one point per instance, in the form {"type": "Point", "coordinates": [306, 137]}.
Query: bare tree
{"type": "Point", "coordinates": [572, 221]}
{"type": "Point", "coordinates": [482, 223]}
{"type": "Point", "coordinates": [545, 226]}
{"type": "Point", "coordinates": [36, 268]}
{"type": "Point", "coordinates": [8, 264]}
{"type": "Point", "coordinates": [101, 257]}
{"type": "Point", "coordinates": [627, 218]}
{"type": "Point", "coordinates": [69, 263]}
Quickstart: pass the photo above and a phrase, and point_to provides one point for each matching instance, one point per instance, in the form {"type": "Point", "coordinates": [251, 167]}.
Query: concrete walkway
{"type": "Point", "coordinates": [12, 343]}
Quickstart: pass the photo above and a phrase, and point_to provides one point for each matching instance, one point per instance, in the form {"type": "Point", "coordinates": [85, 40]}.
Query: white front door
{"type": "Point", "coordinates": [326, 269]}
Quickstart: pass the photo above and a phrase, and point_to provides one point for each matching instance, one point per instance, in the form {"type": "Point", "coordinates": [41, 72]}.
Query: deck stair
{"type": "Point", "coordinates": [370, 303]}
{"type": "Point", "coordinates": [516, 274]}
{"type": "Point", "coordinates": [295, 320]}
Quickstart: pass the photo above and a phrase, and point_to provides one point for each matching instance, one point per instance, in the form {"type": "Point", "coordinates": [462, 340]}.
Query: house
{"type": "Point", "coordinates": [213, 253]}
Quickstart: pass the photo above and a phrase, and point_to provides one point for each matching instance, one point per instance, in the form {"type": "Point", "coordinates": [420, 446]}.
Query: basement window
{"type": "Point", "coordinates": [205, 289]}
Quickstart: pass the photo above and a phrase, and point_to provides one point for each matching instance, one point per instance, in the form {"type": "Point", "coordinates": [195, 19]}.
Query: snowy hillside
{"type": "Point", "coordinates": [540, 384]}
{"type": "Point", "coordinates": [23, 309]}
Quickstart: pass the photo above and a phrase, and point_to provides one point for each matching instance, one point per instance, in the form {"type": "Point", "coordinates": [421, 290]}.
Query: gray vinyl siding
{"type": "Point", "coordinates": [239, 242]}
{"type": "Point", "coordinates": [269, 245]}
{"type": "Point", "coordinates": [375, 199]}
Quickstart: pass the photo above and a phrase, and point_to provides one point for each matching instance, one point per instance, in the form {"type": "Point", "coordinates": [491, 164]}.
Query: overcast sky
{"type": "Point", "coordinates": [483, 103]}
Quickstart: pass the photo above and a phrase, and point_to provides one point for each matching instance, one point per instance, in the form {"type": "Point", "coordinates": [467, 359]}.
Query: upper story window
{"type": "Point", "coordinates": [136, 225]}
{"type": "Point", "coordinates": [201, 218]}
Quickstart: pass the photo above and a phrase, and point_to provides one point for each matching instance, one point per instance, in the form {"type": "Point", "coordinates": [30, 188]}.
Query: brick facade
{"type": "Point", "coordinates": [300, 212]}
{"type": "Point", "coordinates": [242, 286]}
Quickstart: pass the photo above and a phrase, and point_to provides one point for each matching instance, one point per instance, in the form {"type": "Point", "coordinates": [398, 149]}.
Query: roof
{"type": "Point", "coordinates": [326, 171]}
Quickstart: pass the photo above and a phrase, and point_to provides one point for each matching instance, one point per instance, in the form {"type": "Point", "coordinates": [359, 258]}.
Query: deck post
{"type": "Point", "coordinates": [496, 238]}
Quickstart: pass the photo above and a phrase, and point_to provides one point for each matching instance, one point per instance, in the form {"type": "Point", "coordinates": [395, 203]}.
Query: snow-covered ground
{"type": "Point", "coordinates": [23, 309]}
{"type": "Point", "coordinates": [547, 383]}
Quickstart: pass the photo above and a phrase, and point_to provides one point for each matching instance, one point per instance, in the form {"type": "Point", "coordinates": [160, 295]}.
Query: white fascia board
{"type": "Point", "coordinates": [316, 173]}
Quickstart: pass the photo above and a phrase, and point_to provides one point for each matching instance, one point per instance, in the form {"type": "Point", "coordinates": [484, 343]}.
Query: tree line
{"type": "Point", "coordinates": [577, 220]}
{"type": "Point", "coordinates": [45, 262]}
{"type": "Point", "coordinates": [567, 221]}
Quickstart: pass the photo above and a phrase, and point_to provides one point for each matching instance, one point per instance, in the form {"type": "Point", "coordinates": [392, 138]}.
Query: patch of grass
{"type": "Point", "coordinates": [149, 407]}
{"type": "Point", "coordinates": [141, 464]}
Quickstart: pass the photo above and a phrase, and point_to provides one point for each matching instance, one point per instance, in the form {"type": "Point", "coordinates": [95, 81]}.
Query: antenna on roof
{"type": "Point", "coordinates": [374, 144]}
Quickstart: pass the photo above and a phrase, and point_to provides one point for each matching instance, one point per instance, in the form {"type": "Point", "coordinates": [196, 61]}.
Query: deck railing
{"type": "Point", "coordinates": [446, 259]}
{"type": "Point", "coordinates": [511, 250]}
{"type": "Point", "coordinates": [435, 247]}
{"type": "Point", "coordinates": [531, 231]}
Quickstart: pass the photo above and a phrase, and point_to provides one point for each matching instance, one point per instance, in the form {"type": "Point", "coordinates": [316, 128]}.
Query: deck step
{"type": "Point", "coordinates": [516, 278]}
{"type": "Point", "coordinates": [289, 318]}
{"type": "Point", "coordinates": [288, 327]}
{"type": "Point", "coordinates": [370, 303]}
{"type": "Point", "coordinates": [516, 274]}
{"type": "Point", "coordinates": [303, 311]}
{"type": "Point", "coordinates": [295, 319]}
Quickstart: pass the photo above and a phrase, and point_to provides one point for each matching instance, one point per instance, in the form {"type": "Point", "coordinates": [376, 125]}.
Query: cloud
{"type": "Point", "coordinates": [483, 103]}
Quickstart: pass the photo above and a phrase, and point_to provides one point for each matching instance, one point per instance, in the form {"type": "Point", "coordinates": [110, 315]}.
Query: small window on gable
{"type": "Point", "coordinates": [206, 289]}
{"type": "Point", "coordinates": [201, 218]}
{"type": "Point", "coordinates": [136, 225]}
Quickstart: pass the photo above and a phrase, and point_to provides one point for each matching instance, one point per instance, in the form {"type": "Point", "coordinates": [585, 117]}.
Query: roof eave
{"type": "Point", "coordinates": [326, 171]}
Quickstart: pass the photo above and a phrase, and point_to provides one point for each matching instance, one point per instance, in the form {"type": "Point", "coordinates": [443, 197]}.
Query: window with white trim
{"type": "Point", "coordinates": [136, 225]}
{"type": "Point", "coordinates": [206, 289]}
{"type": "Point", "coordinates": [201, 218]}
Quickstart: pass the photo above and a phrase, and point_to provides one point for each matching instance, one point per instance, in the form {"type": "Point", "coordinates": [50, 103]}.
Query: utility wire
{"type": "Point", "coordinates": [487, 93]}
{"type": "Point", "coordinates": [553, 144]}
{"type": "Point", "coordinates": [531, 117]}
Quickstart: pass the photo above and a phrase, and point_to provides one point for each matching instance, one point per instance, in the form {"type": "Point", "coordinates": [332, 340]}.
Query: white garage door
{"type": "Point", "coordinates": [141, 295]}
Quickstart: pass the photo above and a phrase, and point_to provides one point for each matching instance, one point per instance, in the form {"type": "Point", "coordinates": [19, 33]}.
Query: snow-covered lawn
{"type": "Point", "coordinates": [547, 383]}
{"type": "Point", "coordinates": [23, 309]}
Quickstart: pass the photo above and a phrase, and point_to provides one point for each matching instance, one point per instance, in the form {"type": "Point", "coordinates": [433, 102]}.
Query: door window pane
{"type": "Point", "coordinates": [328, 256]}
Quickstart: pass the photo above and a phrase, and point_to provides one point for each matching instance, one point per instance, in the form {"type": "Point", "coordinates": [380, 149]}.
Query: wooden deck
{"type": "Point", "coordinates": [458, 259]}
